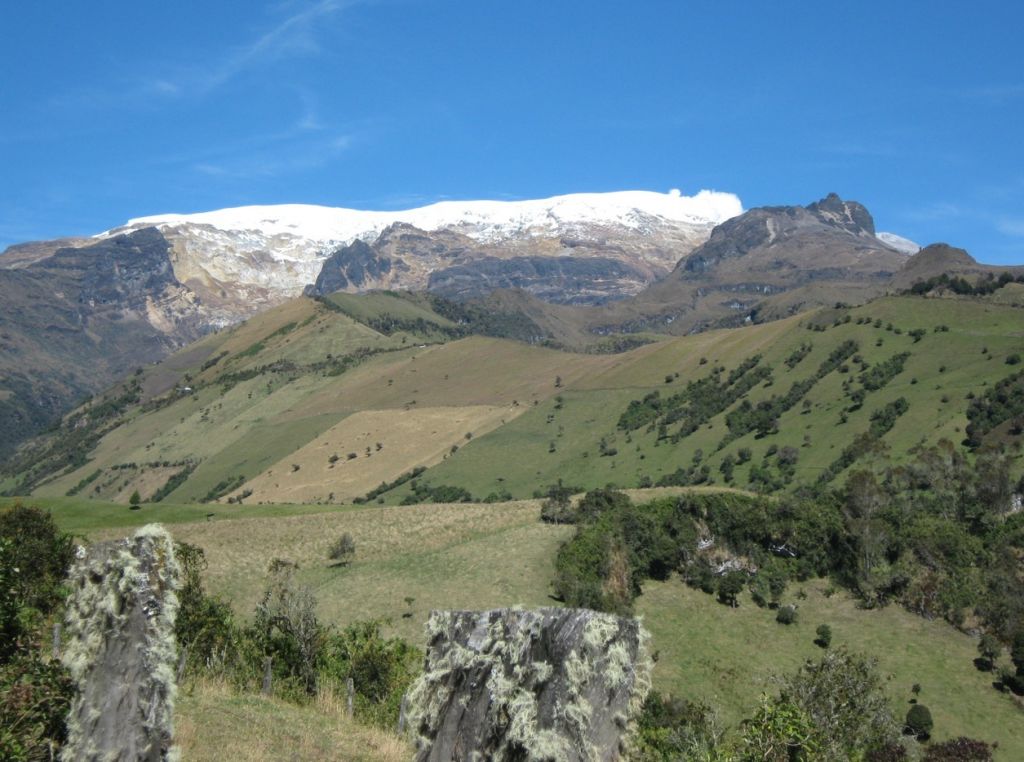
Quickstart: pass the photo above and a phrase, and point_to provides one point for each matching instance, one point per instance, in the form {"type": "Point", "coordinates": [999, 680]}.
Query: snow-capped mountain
{"type": "Point", "coordinates": [243, 259]}
{"type": "Point", "coordinates": [899, 243]}
{"type": "Point", "coordinates": [486, 221]}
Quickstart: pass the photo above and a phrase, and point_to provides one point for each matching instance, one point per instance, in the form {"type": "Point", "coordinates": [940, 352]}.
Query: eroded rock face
{"type": "Point", "coordinates": [543, 684]}
{"type": "Point", "coordinates": [121, 649]}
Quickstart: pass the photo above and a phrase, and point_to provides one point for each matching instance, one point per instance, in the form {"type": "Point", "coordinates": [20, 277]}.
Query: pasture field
{"type": "Point", "coordinates": [412, 559]}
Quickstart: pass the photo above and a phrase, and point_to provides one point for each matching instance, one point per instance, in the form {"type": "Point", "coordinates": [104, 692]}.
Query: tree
{"type": "Point", "coordinates": [39, 552]}
{"type": "Point", "coordinates": [919, 722]}
{"type": "Point", "coordinates": [1017, 651]}
{"type": "Point", "coordinates": [824, 633]}
{"type": "Point", "coordinates": [780, 731]}
{"type": "Point", "coordinates": [557, 508]}
{"type": "Point", "coordinates": [286, 625]}
{"type": "Point", "coordinates": [343, 550]}
{"type": "Point", "coordinates": [730, 586]}
{"type": "Point", "coordinates": [989, 649]}
{"type": "Point", "coordinates": [135, 499]}
{"type": "Point", "coordinates": [843, 696]}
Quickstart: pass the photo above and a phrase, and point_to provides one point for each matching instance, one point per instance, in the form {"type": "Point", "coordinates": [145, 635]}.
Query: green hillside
{"type": "Point", "coordinates": [326, 401]}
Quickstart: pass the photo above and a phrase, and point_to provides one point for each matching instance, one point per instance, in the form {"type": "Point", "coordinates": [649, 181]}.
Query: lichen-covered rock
{"type": "Point", "coordinates": [550, 684]}
{"type": "Point", "coordinates": [121, 649]}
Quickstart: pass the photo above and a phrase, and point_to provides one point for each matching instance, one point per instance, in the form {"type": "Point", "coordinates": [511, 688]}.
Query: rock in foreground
{"type": "Point", "coordinates": [121, 649]}
{"type": "Point", "coordinates": [542, 684]}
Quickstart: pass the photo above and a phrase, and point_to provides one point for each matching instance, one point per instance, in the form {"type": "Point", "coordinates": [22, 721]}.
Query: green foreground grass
{"type": "Point", "coordinates": [728, 657]}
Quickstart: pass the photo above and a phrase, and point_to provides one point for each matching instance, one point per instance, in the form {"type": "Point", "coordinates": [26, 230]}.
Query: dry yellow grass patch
{"type": "Point", "coordinates": [214, 723]}
{"type": "Point", "coordinates": [238, 551]}
{"type": "Point", "coordinates": [386, 443]}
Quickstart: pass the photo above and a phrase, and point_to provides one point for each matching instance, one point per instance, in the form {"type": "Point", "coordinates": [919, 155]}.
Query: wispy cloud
{"type": "Point", "coordinates": [295, 35]}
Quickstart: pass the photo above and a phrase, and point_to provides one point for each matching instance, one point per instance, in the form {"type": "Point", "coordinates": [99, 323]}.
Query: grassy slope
{"type": "Point", "coordinates": [731, 669]}
{"type": "Point", "coordinates": [482, 556]}
{"type": "Point", "coordinates": [264, 423]}
{"type": "Point", "coordinates": [214, 723]}
{"type": "Point", "coordinates": [591, 407]}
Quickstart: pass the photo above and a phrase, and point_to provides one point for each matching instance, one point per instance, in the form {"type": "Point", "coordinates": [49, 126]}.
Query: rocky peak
{"type": "Point", "coordinates": [849, 215]}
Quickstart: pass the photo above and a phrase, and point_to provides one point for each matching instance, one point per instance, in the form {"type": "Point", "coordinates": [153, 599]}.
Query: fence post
{"type": "Point", "coordinates": [56, 641]}
{"type": "Point", "coordinates": [351, 689]}
{"type": "Point", "coordinates": [267, 676]}
{"type": "Point", "coordinates": [401, 714]}
{"type": "Point", "coordinates": [181, 663]}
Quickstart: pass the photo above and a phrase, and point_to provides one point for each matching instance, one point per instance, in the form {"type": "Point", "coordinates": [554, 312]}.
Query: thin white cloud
{"type": "Point", "coordinates": [295, 35]}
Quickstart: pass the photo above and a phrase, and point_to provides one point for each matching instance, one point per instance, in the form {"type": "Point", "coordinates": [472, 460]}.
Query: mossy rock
{"type": "Point", "coordinates": [541, 684]}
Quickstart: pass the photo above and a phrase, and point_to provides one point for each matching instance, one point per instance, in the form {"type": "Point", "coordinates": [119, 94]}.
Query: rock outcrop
{"type": "Point", "coordinates": [79, 318]}
{"type": "Point", "coordinates": [121, 650]}
{"type": "Point", "coordinates": [543, 684]}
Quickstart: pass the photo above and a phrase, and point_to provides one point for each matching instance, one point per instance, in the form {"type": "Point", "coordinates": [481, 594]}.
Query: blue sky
{"type": "Point", "coordinates": [117, 109]}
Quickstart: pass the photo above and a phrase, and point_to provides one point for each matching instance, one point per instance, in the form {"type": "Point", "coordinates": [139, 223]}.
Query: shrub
{"type": "Point", "coordinates": [286, 627]}
{"type": "Point", "coordinates": [381, 669]}
{"type": "Point", "coordinates": [205, 625]}
{"type": "Point", "coordinates": [1013, 359]}
{"type": "Point", "coordinates": [960, 749]}
{"type": "Point", "coordinates": [989, 649]}
{"type": "Point", "coordinates": [35, 696]}
{"type": "Point", "coordinates": [730, 586]}
{"type": "Point", "coordinates": [824, 633]}
{"type": "Point", "coordinates": [673, 728]}
{"type": "Point", "coordinates": [40, 553]}
{"type": "Point", "coordinates": [844, 699]}
{"type": "Point", "coordinates": [786, 615]}
{"type": "Point", "coordinates": [343, 550]}
{"type": "Point", "coordinates": [919, 721]}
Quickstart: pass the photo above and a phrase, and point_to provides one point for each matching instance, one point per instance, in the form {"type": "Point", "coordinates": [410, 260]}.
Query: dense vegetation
{"type": "Point", "coordinates": [959, 285]}
{"type": "Point", "coordinates": [35, 692]}
{"type": "Point", "coordinates": [940, 535]}
{"type": "Point", "coordinates": [306, 656]}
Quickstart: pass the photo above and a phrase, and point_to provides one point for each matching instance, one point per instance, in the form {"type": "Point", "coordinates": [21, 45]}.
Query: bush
{"type": "Point", "coordinates": [38, 556]}
{"type": "Point", "coordinates": [989, 649]}
{"type": "Point", "coordinates": [960, 749]}
{"type": "Point", "coordinates": [205, 626]}
{"type": "Point", "coordinates": [672, 728]}
{"type": "Point", "coordinates": [557, 508]}
{"type": "Point", "coordinates": [824, 633]}
{"type": "Point", "coordinates": [919, 722]}
{"type": "Point", "coordinates": [343, 550]}
{"type": "Point", "coordinates": [730, 586]}
{"type": "Point", "coordinates": [1013, 359]}
{"type": "Point", "coordinates": [35, 696]}
{"type": "Point", "coordinates": [786, 615]}
{"type": "Point", "coordinates": [381, 669]}
{"type": "Point", "coordinates": [843, 697]}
